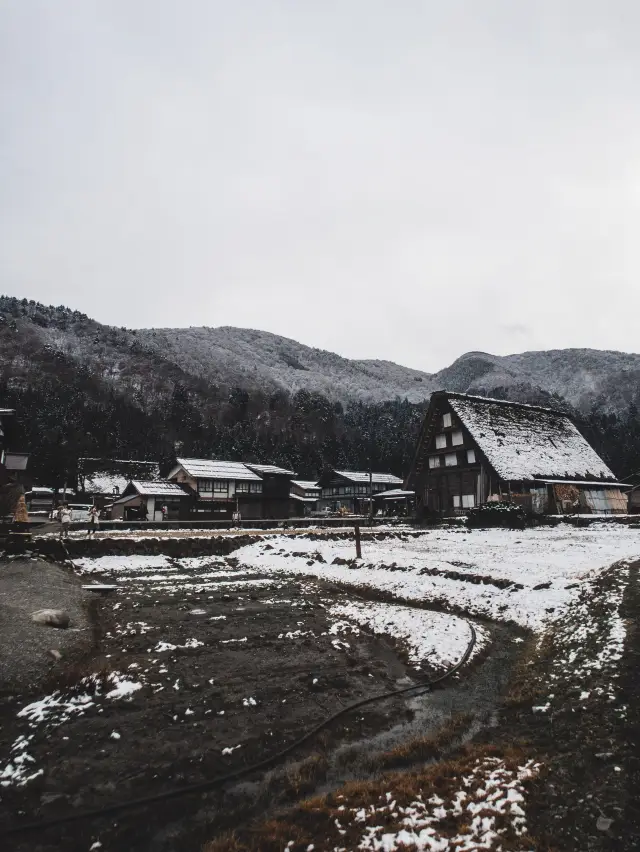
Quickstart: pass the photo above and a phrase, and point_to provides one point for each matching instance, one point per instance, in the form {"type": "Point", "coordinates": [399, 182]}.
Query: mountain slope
{"type": "Point", "coordinates": [147, 363]}
{"type": "Point", "coordinates": [260, 360]}
{"type": "Point", "coordinates": [82, 388]}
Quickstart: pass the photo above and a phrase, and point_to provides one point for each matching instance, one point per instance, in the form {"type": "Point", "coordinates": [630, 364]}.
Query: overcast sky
{"type": "Point", "coordinates": [406, 180]}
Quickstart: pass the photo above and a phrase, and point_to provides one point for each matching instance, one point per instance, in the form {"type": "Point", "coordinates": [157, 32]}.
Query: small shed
{"type": "Point", "coordinates": [304, 496]}
{"type": "Point", "coordinates": [143, 501]}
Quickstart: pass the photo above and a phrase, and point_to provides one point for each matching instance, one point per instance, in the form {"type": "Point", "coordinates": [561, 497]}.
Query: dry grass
{"type": "Point", "coordinates": [314, 820]}
{"type": "Point", "coordinates": [421, 749]}
{"type": "Point", "coordinates": [75, 674]}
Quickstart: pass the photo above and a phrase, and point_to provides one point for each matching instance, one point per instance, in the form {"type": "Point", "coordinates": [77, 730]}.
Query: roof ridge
{"type": "Point", "coordinates": [506, 402]}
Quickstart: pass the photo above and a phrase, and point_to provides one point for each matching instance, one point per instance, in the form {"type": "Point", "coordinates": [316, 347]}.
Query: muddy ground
{"type": "Point", "coordinates": [256, 662]}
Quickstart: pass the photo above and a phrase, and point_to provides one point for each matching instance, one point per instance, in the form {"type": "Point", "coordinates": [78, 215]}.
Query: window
{"type": "Point", "coordinates": [456, 501]}
{"type": "Point", "coordinates": [204, 485]}
{"type": "Point", "coordinates": [468, 501]}
{"type": "Point", "coordinates": [220, 485]}
{"type": "Point", "coordinates": [446, 421]}
{"type": "Point", "coordinates": [471, 456]}
{"type": "Point", "coordinates": [456, 438]}
{"type": "Point", "coordinates": [242, 487]}
{"type": "Point", "coordinates": [451, 460]}
{"type": "Point", "coordinates": [255, 487]}
{"type": "Point", "coordinates": [434, 461]}
{"type": "Point", "coordinates": [441, 442]}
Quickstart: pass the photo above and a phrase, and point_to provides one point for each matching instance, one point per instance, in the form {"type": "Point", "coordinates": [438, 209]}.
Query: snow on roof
{"type": "Point", "coordinates": [4, 411]}
{"type": "Point", "coordinates": [104, 476]}
{"type": "Point", "coordinates": [307, 484]}
{"type": "Point", "coordinates": [270, 468]}
{"type": "Point", "coordinates": [303, 499]}
{"type": "Point", "coordinates": [157, 488]}
{"type": "Point", "coordinates": [41, 489]}
{"type": "Point", "coordinates": [394, 494]}
{"type": "Point", "coordinates": [104, 483]}
{"type": "Point", "coordinates": [526, 442]}
{"type": "Point", "coordinates": [16, 461]}
{"type": "Point", "coordinates": [363, 477]}
{"type": "Point", "coordinates": [207, 469]}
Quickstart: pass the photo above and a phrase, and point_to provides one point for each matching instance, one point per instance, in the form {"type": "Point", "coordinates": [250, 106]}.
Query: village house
{"type": "Point", "coordinates": [350, 490]}
{"type": "Point", "coordinates": [473, 449]}
{"type": "Point", "coordinates": [143, 501]}
{"type": "Point", "coordinates": [221, 488]}
{"type": "Point", "coordinates": [14, 478]}
{"type": "Point", "coordinates": [101, 481]}
{"type": "Point", "coordinates": [276, 486]}
{"type": "Point", "coordinates": [304, 496]}
{"type": "Point", "coordinates": [40, 499]}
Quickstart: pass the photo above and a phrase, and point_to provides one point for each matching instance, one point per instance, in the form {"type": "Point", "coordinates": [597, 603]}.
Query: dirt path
{"type": "Point", "coordinates": [27, 585]}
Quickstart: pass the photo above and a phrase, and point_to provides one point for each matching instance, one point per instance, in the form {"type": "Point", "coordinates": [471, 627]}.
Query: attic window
{"type": "Point", "coordinates": [446, 421]}
{"type": "Point", "coordinates": [456, 438]}
{"type": "Point", "coordinates": [441, 442]}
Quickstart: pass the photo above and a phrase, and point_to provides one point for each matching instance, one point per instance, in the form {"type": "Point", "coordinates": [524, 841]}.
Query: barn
{"type": "Point", "coordinates": [474, 450]}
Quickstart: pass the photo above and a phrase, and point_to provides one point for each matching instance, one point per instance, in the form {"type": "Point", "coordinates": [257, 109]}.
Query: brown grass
{"type": "Point", "coordinates": [72, 675]}
{"type": "Point", "coordinates": [313, 821]}
{"type": "Point", "coordinates": [424, 748]}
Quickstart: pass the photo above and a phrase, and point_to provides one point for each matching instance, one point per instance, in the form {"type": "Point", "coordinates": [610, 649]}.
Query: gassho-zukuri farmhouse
{"type": "Point", "coordinates": [474, 449]}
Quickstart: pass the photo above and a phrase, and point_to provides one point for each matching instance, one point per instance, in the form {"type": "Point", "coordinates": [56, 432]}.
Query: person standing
{"type": "Point", "coordinates": [164, 512]}
{"type": "Point", "coordinates": [94, 521]}
{"type": "Point", "coordinates": [64, 516]}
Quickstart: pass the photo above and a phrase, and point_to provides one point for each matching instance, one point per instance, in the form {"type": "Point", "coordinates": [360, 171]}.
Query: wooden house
{"type": "Point", "coordinates": [276, 487]}
{"type": "Point", "coordinates": [351, 490]}
{"type": "Point", "coordinates": [474, 450]}
{"type": "Point", "coordinates": [220, 488]}
{"type": "Point", "coordinates": [304, 496]}
{"type": "Point", "coordinates": [143, 501]}
{"type": "Point", "coordinates": [14, 477]}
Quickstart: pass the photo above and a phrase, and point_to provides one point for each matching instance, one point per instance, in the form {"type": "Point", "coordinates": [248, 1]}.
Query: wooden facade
{"type": "Point", "coordinates": [351, 490]}
{"type": "Point", "coordinates": [473, 450]}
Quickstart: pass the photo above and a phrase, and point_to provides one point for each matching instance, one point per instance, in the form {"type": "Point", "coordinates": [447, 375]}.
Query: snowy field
{"type": "Point", "coordinates": [526, 576]}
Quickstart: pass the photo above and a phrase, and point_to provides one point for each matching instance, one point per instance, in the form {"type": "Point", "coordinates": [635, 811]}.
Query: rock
{"type": "Point", "coordinates": [603, 823]}
{"type": "Point", "coordinates": [51, 617]}
{"type": "Point", "coordinates": [53, 652]}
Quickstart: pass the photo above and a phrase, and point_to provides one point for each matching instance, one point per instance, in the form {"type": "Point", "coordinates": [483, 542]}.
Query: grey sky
{"type": "Point", "coordinates": [404, 180]}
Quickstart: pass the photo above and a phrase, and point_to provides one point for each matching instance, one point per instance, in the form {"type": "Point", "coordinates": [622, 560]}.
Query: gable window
{"type": "Point", "coordinates": [451, 460]}
{"type": "Point", "coordinates": [434, 461]}
{"type": "Point", "coordinates": [220, 485]}
{"type": "Point", "coordinates": [446, 421]}
{"type": "Point", "coordinates": [471, 456]}
{"type": "Point", "coordinates": [205, 485]}
{"type": "Point", "coordinates": [441, 442]}
{"type": "Point", "coordinates": [456, 438]}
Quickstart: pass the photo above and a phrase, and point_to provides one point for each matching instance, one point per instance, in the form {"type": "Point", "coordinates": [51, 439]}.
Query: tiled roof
{"type": "Point", "coordinates": [363, 477]}
{"type": "Point", "coordinates": [207, 469]}
{"type": "Point", "coordinates": [307, 484]}
{"type": "Point", "coordinates": [158, 489]}
{"type": "Point", "coordinates": [270, 468]}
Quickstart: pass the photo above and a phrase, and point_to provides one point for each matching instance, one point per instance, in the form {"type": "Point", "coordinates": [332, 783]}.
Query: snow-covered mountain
{"type": "Point", "coordinates": [144, 363]}
{"type": "Point", "coordinates": [258, 359]}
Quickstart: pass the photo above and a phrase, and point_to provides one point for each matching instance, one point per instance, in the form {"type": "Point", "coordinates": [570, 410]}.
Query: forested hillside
{"type": "Point", "coordinates": [81, 388]}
